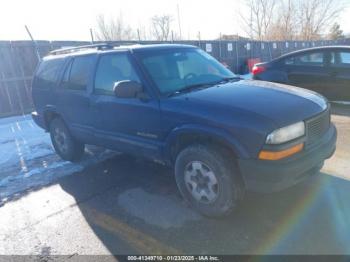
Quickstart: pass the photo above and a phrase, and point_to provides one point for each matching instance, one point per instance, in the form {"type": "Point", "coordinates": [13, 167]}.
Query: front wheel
{"type": "Point", "coordinates": [208, 180]}
{"type": "Point", "coordinates": [65, 145]}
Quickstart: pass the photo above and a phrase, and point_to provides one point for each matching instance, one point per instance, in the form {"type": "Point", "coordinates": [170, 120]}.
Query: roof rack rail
{"type": "Point", "coordinates": [78, 48]}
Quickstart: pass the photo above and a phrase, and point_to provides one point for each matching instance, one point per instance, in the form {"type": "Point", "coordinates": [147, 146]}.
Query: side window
{"type": "Point", "coordinates": [343, 59]}
{"type": "Point", "coordinates": [47, 73]}
{"type": "Point", "coordinates": [65, 79]}
{"type": "Point", "coordinates": [79, 72]}
{"type": "Point", "coordinates": [310, 59]}
{"type": "Point", "coordinates": [113, 68]}
{"type": "Point", "coordinates": [289, 61]}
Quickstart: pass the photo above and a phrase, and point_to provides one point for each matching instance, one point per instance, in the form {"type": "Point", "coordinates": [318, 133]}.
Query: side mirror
{"type": "Point", "coordinates": [127, 89]}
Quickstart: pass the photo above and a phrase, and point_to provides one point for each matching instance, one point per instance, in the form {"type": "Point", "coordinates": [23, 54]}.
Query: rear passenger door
{"type": "Point", "coordinates": [309, 70]}
{"type": "Point", "coordinates": [340, 72]}
{"type": "Point", "coordinates": [125, 124]}
{"type": "Point", "coordinates": [73, 96]}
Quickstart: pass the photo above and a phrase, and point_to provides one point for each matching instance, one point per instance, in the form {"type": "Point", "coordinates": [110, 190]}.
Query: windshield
{"type": "Point", "coordinates": [176, 69]}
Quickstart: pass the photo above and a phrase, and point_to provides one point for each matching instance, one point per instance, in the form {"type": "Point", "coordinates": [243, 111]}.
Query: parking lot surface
{"type": "Point", "coordinates": [121, 205]}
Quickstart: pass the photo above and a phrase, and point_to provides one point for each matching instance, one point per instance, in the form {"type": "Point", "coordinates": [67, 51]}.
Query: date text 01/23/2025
{"type": "Point", "coordinates": [173, 258]}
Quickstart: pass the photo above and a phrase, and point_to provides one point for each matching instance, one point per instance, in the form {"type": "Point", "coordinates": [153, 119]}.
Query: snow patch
{"type": "Point", "coordinates": [28, 159]}
{"type": "Point", "coordinates": [21, 140]}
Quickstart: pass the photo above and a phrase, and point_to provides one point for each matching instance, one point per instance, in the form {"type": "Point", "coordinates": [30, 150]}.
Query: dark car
{"type": "Point", "coordinates": [325, 70]}
{"type": "Point", "coordinates": [177, 105]}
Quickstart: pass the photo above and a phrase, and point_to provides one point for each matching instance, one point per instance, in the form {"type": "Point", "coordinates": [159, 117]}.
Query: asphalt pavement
{"type": "Point", "coordinates": [124, 205]}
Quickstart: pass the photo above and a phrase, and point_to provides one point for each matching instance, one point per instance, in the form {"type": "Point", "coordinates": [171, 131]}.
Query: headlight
{"type": "Point", "coordinates": [286, 134]}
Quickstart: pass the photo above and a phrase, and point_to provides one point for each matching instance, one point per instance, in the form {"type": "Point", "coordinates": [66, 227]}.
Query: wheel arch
{"type": "Point", "coordinates": [49, 114]}
{"type": "Point", "coordinates": [187, 135]}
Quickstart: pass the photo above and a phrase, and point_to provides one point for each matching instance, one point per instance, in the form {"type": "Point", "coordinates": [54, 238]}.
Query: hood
{"type": "Point", "coordinates": [279, 103]}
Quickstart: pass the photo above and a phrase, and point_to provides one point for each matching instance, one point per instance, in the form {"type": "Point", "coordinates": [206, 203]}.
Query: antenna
{"type": "Point", "coordinates": [34, 42]}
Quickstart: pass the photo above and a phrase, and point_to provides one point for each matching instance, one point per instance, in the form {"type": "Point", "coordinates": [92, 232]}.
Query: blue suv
{"type": "Point", "coordinates": [177, 105]}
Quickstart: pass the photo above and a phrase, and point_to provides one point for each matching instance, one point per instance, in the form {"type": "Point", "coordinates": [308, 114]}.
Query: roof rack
{"type": "Point", "coordinates": [79, 48]}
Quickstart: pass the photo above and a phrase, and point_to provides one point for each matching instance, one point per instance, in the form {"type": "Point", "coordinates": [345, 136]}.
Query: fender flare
{"type": "Point", "coordinates": [239, 150]}
{"type": "Point", "coordinates": [50, 109]}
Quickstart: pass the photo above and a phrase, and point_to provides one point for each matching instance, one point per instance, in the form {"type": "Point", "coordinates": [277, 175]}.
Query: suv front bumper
{"type": "Point", "coordinates": [270, 176]}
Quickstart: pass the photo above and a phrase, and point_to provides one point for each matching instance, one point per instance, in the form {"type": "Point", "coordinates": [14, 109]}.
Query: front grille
{"type": "Point", "coordinates": [317, 126]}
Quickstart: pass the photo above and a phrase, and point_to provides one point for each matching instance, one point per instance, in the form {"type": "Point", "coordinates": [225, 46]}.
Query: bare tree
{"type": "Point", "coordinates": [143, 32]}
{"type": "Point", "coordinates": [285, 23]}
{"type": "Point", "coordinates": [161, 26]}
{"type": "Point", "coordinates": [113, 29]}
{"type": "Point", "coordinates": [315, 16]}
{"type": "Point", "coordinates": [290, 19]}
{"type": "Point", "coordinates": [335, 32]}
{"type": "Point", "coordinates": [259, 19]}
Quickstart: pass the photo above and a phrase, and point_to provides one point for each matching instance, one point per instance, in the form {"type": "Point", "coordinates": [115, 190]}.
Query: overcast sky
{"type": "Point", "coordinates": [71, 19]}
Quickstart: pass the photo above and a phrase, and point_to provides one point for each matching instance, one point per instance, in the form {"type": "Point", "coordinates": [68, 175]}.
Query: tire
{"type": "Point", "coordinates": [65, 145]}
{"type": "Point", "coordinates": [212, 197]}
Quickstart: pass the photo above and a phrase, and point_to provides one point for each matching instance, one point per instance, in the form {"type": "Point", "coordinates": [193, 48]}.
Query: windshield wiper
{"type": "Point", "coordinates": [190, 88]}
{"type": "Point", "coordinates": [228, 79]}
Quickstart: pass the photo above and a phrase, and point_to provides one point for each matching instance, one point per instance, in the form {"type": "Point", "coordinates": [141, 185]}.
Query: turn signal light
{"type": "Point", "coordinates": [276, 155]}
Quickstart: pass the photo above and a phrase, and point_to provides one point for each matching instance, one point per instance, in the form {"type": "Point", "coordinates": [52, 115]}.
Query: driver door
{"type": "Point", "coordinates": [127, 124]}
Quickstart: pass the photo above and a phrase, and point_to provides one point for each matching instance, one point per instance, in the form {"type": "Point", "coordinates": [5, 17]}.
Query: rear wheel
{"type": "Point", "coordinates": [65, 145]}
{"type": "Point", "coordinates": [208, 180]}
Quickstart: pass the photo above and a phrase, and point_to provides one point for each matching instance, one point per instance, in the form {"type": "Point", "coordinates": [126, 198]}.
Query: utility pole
{"type": "Point", "coordinates": [178, 19]}
{"type": "Point", "coordinates": [251, 23]}
{"type": "Point", "coordinates": [220, 45]}
{"type": "Point", "coordinates": [92, 36]}
{"type": "Point", "coordinates": [138, 34]}
{"type": "Point", "coordinates": [199, 38]}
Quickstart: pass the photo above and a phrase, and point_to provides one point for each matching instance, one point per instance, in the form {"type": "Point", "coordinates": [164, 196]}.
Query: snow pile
{"type": "Point", "coordinates": [28, 159]}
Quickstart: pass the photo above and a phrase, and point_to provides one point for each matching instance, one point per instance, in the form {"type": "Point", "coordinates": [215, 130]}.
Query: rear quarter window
{"type": "Point", "coordinates": [309, 59]}
{"type": "Point", "coordinates": [342, 59]}
{"type": "Point", "coordinates": [47, 73]}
